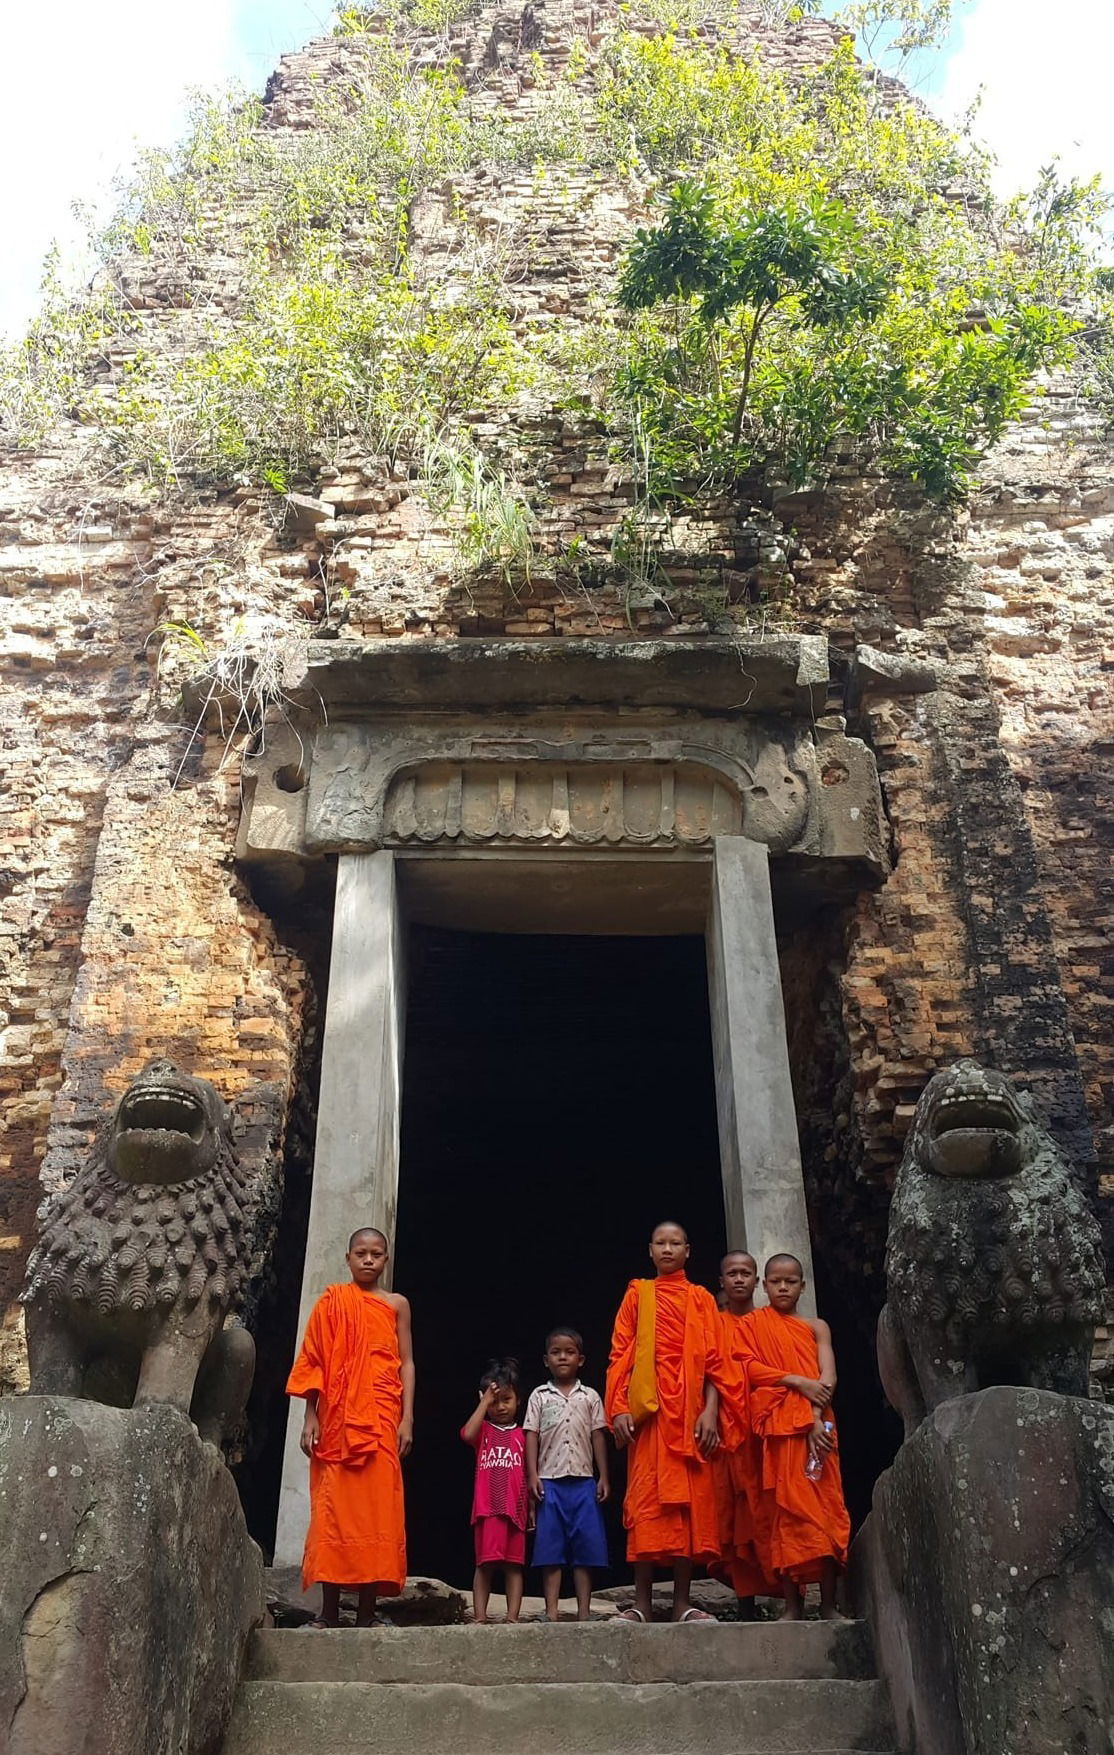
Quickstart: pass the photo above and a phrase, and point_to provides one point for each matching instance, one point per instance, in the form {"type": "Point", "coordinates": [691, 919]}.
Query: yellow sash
{"type": "Point", "coordinates": [643, 1393]}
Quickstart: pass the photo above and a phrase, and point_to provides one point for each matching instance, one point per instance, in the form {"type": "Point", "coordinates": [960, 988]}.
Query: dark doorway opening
{"type": "Point", "coordinates": [558, 1101]}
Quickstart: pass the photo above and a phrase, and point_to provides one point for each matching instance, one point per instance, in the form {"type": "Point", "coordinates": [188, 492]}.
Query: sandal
{"type": "Point", "coordinates": [631, 1614]}
{"type": "Point", "coordinates": [693, 1615]}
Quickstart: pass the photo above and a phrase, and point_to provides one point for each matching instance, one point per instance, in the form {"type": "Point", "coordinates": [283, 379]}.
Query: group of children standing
{"type": "Point", "coordinates": [549, 1474]}
{"type": "Point", "coordinates": [724, 1413]}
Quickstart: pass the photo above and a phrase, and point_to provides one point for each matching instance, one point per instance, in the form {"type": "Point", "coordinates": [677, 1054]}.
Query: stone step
{"type": "Point", "coordinates": [545, 1718]}
{"type": "Point", "coordinates": [598, 1651]}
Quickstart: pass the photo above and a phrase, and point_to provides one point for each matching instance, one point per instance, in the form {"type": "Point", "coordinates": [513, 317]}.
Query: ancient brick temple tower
{"type": "Point", "coordinates": [885, 812]}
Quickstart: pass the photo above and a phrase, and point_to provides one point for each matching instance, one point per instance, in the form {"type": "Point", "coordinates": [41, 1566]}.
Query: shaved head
{"type": "Point", "coordinates": [668, 1225]}
{"type": "Point", "coordinates": [777, 1260]}
{"type": "Point", "coordinates": [367, 1231]}
{"type": "Point", "coordinates": [738, 1255]}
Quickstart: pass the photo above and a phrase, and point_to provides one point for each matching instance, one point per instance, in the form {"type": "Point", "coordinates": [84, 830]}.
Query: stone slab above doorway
{"type": "Point", "coordinates": [783, 675]}
{"type": "Point", "coordinates": [565, 747]}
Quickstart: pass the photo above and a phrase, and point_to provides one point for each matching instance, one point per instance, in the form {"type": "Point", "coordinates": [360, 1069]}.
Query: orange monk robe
{"type": "Point", "coordinates": [669, 1510]}
{"type": "Point", "coordinates": [808, 1519]}
{"type": "Point", "coordinates": [357, 1529]}
{"type": "Point", "coordinates": [744, 1511]}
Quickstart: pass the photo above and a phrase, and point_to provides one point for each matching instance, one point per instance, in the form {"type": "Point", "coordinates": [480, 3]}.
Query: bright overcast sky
{"type": "Point", "coordinates": [82, 82]}
{"type": "Point", "coordinates": [1045, 72]}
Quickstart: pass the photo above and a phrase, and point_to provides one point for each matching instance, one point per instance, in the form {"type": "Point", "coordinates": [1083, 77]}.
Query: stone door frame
{"type": "Point", "coordinates": [668, 773]}
{"type": "Point", "coordinates": [357, 1157]}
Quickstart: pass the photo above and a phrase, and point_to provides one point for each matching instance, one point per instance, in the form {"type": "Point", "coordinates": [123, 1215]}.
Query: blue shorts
{"type": "Point", "coordinates": [570, 1524]}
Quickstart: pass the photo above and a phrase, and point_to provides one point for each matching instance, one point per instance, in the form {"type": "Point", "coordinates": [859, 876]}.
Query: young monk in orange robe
{"type": "Point", "coordinates": [792, 1374]}
{"type": "Point", "coordinates": [662, 1403]}
{"type": "Point", "coordinates": [356, 1372]}
{"type": "Point", "coordinates": [744, 1523]}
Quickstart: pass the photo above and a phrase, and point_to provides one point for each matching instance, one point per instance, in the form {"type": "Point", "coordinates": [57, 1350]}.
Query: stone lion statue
{"type": "Point", "coordinates": [994, 1264]}
{"type": "Point", "coordinates": [143, 1257]}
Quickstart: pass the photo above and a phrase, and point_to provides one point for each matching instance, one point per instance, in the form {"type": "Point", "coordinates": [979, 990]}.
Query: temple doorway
{"type": "Point", "coordinates": [558, 1099]}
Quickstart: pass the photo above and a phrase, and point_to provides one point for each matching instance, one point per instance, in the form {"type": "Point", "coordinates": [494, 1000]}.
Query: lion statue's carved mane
{"type": "Point", "coordinates": [144, 1255]}
{"type": "Point", "coordinates": [994, 1266]}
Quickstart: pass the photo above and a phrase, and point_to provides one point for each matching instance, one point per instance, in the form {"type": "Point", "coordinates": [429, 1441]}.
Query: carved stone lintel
{"type": "Point", "coordinates": [670, 786]}
{"type": "Point", "coordinates": [650, 748]}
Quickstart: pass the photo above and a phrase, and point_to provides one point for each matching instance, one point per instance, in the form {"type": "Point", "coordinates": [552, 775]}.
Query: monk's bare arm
{"type": "Point", "coordinates": [311, 1425]}
{"type": "Point", "coordinates": [826, 1353]}
{"type": "Point", "coordinates": [707, 1424]}
{"type": "Point", "coordinates": [308, 1375]}
{"type": "Point", "coordinates": [406, 1371]}
{"type": "Point", "coordinates": [619, 1371]}
{"type": "Point", "coordinates": [763, 1376]}
{"type": "Point", "coordinates": [814, 1389]}
{"type": "Point", "coordinates": [715, 1375]}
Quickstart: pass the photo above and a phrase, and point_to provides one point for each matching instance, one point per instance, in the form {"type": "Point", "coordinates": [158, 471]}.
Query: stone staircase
{"type": "Point", "coordinates": [605, 1688]}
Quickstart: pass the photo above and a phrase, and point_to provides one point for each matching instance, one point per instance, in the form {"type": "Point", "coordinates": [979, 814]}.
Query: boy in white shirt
{"type": "Point", "coordinates": [567, 1473]}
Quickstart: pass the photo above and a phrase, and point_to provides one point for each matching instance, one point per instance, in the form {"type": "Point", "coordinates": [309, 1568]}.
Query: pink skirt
{"type": "Point", "coordinates": [499, 1542]}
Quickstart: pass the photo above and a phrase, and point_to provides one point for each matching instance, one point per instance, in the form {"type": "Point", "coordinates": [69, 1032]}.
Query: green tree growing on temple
{"type": "Point", "coordinates": [827, 272]}
{"type": "Point", "coordinates": [734, 269]}
{"type": "Point", "coordinates": [789, 331]}
{"type": "Point", "coordinates": [827, 275]}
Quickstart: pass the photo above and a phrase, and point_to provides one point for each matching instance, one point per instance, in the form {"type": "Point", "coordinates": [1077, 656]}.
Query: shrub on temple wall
{"type": "Point", "coordinates": [850, 279]}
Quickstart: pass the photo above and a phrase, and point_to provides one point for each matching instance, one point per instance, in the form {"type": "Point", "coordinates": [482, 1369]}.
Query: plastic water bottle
{"type": "Point", "coordinates": [814, 1466]}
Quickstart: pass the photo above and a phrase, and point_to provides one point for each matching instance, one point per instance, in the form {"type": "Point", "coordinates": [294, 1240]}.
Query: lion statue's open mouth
{"type": "Point", "coordinates": [163, 1130]}
{"type": "Point", "coordinates": [974, 1129]}
{"type": "Point", "coordinates": [163, 1110]}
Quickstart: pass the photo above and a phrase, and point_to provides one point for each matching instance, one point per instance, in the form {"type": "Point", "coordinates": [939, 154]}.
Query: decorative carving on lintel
{"type": "Point", "coordinates": [645, 804]}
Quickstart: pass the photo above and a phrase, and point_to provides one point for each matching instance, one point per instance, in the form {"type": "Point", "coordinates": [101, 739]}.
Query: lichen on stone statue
{"type": "Point", "coordinates": [143, 1258]}
{"type": "Point", "coordinates": [994, 1262]}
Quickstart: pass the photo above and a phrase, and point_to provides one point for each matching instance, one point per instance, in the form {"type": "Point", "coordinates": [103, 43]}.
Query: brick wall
{"type": "Point", "coordinates": [125, 929]}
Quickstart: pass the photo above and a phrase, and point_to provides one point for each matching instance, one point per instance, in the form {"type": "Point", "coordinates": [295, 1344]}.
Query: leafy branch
{"type": "Point", "coordinates": [755, 260]}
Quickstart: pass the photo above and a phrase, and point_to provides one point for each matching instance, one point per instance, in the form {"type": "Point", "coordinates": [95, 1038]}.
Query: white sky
{"type": "Point", "coordinates": [82, 81]}
{"type": "Point", "coordinates": [1045, 72]}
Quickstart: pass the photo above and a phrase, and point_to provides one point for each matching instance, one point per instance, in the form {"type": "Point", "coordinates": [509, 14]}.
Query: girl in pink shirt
{"type": "Point", "coordinates": [500, 1502]}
